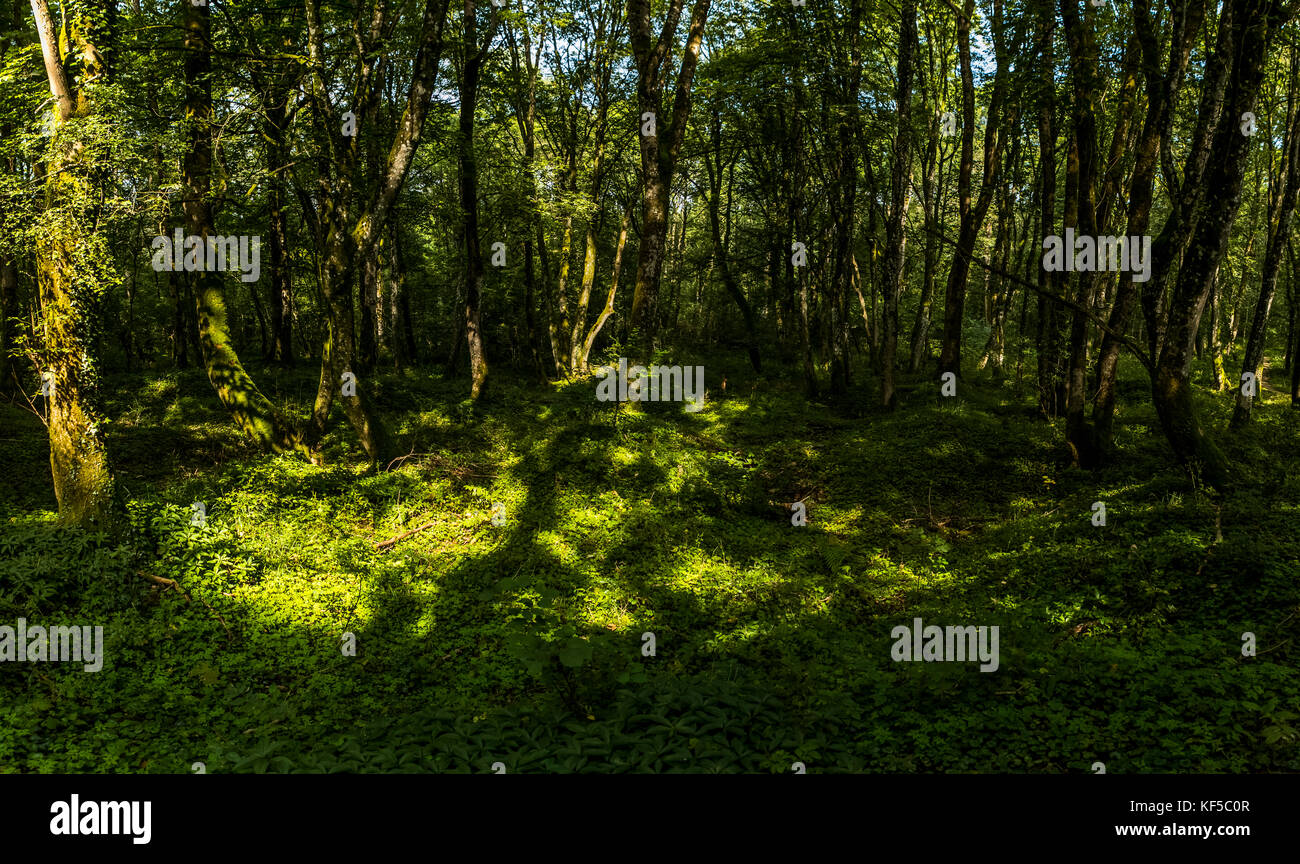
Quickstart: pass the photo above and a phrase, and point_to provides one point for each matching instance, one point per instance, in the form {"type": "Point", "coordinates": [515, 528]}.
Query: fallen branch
{"type": "Point", "coordinates": [166, 583]}
{"type": "Point", "coordinates": [176, 586]}
{"type": "Point", "coordinates": [389, 544]}
{"type": "Point", "coordinates": [403, 459]}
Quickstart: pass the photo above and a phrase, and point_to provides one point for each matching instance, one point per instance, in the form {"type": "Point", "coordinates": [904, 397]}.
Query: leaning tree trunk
{"type": "Point", "coordinates": [608, 308]}
{"type": "Point", "coordinates": [252, 412]}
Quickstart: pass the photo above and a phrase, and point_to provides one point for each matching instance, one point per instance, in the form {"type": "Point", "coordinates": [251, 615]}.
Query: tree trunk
{"type": "Point", "coordinates": [608, 309]}
{"type": "Point", "coordinates": [1050, 373]}
{"type": "Point", "coordinates": [660, 145]}
{"type": "Point", "coordinates": [714, 166]}
{"type": "Point", "coordinates": [899, 184]}
{"type": "Point", "coordinates": [972, 217]}
{"type": "Point", "coordinates": [931, 192]}
{"type": "Point", "coordinates": [1279, 231]}
{"type": "Point", "coordinates": [281, 293]}
{"type": "Point", "coordinates": [1083, 68]}
{"type": "Point", "coordinates": [474, 58]}
{"type": "Point", "coordinates": [403, 334]}
{"type": "Point", "coordinates": [525, 118]}
{"type": "Point", "coordinates": [73, 273]}
{"type": "Point", "coordinates": [1254, 25]}
{"type": "Point", "coordinates": [252, 412]}
{"type": "Point", "coordinates": [1163, 90]}
{"type": "Point", "coordinates": [344, 240]}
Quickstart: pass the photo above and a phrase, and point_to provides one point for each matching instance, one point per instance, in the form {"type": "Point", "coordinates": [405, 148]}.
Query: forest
{"type": "Point", "coordinates": [543, 386]}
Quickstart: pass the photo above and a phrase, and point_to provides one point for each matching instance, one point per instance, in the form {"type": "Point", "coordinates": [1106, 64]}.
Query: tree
{"type": "Point", "coordinates": [972, 217]}
{"type": "Point", "coordinates": [472, 67]}
{"type": "Point", "coordinates": [250, 409]}
{"type": "Point", "coordinates": [1279, 230]}
{"type": "Point", "coordinates": [347, 239]}
{"type": "Point", "coordinates": [1248, 27]}
{"type": "Point", "coordinates": [661, 141]}
{"type": "Point", "coordinates": [74, 268]}
{"type": "Point", "coordinates": [899, 184]}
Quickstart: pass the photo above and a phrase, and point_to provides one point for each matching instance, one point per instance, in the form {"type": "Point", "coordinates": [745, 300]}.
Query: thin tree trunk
{"type": "Point", "coordinates": [608, 308]}
{"type": "Point", "coordinates": [1083, 67]}
{"type": "Point", "coordinates": [1279, 232]}
{"type": "Point", "coordinates": [899, 180]}
{"type": "Point", "coordinates": [474, 58]}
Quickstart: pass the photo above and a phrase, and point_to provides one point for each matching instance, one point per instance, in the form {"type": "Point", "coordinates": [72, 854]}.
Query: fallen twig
{"type": "Point", "coordinates": [403, 459]}
{"type": "Point", "coordinates": [176, 586]}
{"type": "Point", "coordinates": [389, 544]}
{"type": "Point", "coordinates": [166, 583]}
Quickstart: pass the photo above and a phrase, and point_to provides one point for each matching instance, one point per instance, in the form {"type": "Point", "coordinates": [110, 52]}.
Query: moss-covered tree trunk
{"type": "Point", "coordinates": [250, 409]}
{"type": "Point", "coordinates": [74, 271]}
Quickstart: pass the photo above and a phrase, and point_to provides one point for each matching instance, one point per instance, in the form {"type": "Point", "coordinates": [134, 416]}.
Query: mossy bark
{"type": "Point", "coordinates": [73, 275]}
{"type": "Point", "coordinates": [73, 280]}
{"type": "Point", "coordinates": [252, 412]}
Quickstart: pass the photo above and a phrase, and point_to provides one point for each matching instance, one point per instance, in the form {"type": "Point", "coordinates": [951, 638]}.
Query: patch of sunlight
{"type": "Point", "coordinates": [431, 419]}
{"type": "Point", "coordinates": [624, 456]}
{"type": "Point", "coordinates": [735, 640]}
{"type": "Point", "coordinates": [558, 545]}
{"type": "Point", "coordinates": [601, 514]}
{"type": "Point", "coordinates": [944, 448]}
{"type": "Point", "coordinates": [1120, 491]}
{"type": "Point", "coordinates": [35, 517]}
{"type": "Point", "coordinates": [837, 521]}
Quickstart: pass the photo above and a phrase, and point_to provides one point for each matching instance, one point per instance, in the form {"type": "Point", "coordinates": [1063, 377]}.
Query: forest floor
{"type": "Point", "coordinates": [522, 643]}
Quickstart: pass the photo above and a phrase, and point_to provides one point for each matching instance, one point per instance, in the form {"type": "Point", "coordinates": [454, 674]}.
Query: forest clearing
{"type": "Point", "coordinates": [550, 387]}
